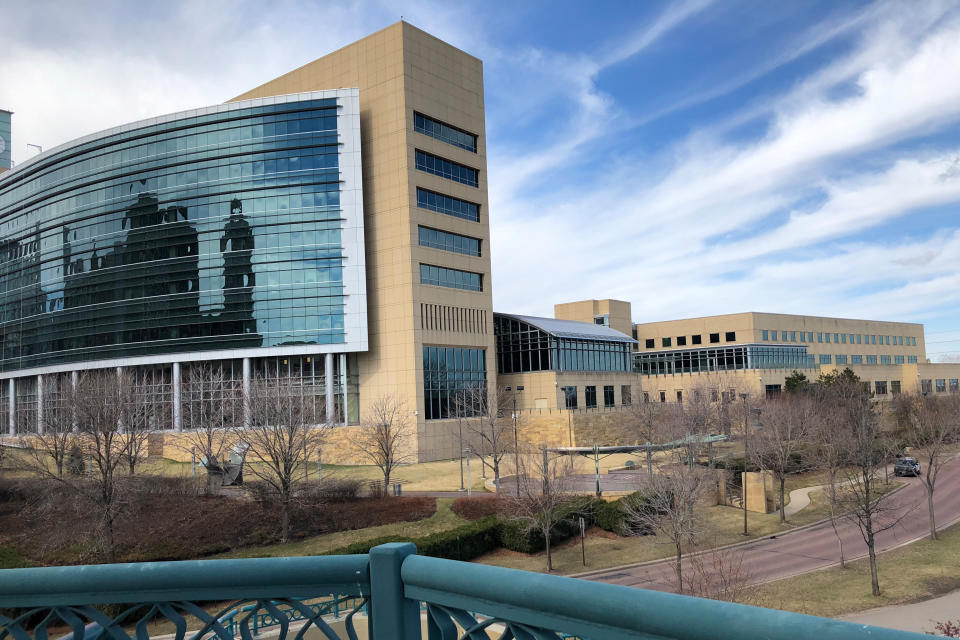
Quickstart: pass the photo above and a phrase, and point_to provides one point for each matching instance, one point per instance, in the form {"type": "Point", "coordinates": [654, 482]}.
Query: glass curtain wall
{"type": "Point", "coordinates": [218, 231]}
{"type": "Point", "coordinates": [723, 359]}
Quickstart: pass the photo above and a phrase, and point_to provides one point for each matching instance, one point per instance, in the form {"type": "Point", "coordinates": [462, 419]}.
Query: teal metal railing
{"type": "Point", "coordinates": [401, 592]}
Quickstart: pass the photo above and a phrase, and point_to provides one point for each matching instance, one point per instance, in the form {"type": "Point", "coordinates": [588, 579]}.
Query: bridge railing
{"type": "Point", "coordinates": [403, 593]}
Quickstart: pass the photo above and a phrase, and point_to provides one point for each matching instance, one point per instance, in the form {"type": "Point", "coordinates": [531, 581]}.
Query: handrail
{"type": "Point", "coordinates": [459, 600]}
{"type": "Point", "coordinates": [599, 611]}
{"type": "Point", "coordinates": [185, 580]}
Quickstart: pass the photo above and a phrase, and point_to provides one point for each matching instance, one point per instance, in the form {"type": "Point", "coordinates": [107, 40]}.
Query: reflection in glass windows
{"type": "Point", "coordinates": [446, 241]}
{"type": "Point", "coordinates": [214, 231]}
{"type": "Point", "coordinates": [608, 400]}
{"type": "Point", "coordinates": [447, 373]}
{"type": "Point", "coordinates": [447, 169]}
{"type": "Point", "coordinates": [445, 132]}
{"type": "Point", "coordinates": [752, 356]}
{"type": "Point", "coordinates": [447, 204]}
{"type": "Point", "coordinates": [453, 278]}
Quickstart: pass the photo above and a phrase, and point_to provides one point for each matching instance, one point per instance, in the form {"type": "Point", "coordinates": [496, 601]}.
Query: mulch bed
{"type": "Point", "coordinates": [476, 507]}
{"type": "Point", "coordinates": [53, 527]}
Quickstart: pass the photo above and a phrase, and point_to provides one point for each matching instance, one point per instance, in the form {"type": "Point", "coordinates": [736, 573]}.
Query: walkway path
{"type": "Point", "coordinates": [919, 616]}
{"type": "Point", "coordinates": [808, 549]}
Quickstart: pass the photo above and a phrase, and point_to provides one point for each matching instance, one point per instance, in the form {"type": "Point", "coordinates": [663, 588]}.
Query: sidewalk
{"type": "Point", "coordinates": [920, 616]}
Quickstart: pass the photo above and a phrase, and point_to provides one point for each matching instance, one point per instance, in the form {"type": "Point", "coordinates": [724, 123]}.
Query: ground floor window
{"type": "Point", "coordinates": [880, 387]}
{"type": "Point", "coordinates": [570, 397]}
{"type": "Point", "coordinates": [608, 396]}
{"type": "Point", "coordinates": [590, 397]}
{"type": "Point", "coordinates": [625, 395]}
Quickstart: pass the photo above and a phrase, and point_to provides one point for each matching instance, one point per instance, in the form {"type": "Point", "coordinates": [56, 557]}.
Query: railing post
{"type": "Point", "coordinates": [392, 616]}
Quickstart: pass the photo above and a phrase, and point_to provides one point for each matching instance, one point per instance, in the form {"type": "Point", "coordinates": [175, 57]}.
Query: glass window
{"type": "Point", "coordinates": [826, 337]}
{"type": "Point", "coordinates": [820, 337]}
{"type": "Point", "coordinates": [450, 376]}
{"type": "Point", "coordinates": [696, 339]}
{"type": "Point", "coordinates": [858, 338]}
{"type": "Point", "coordinates": [793, 336]}
{"type": "Point", "coordinates": [447, 168]}
{"type": "Point", "coordinates": [452, 278]}
{"type": "Point", "coordinates": [880, 387]}
{"type": "Point", "coordinates": [836, 338]}
{"type": "Point", "coordinates": [714, 338]}
{"type": "Point", "coordinates": [886, 360]}
{"type": "Point", "coordinates": [894, 387]}
{"type": "Point", "coordinates": [730, 336]}
{"type": "Point", "coordinates": [608, 400]}
{"type": "Point", "coordinates": [843, 338]}
{"type": "Point", "coordinates": [941, 385]}
{"type": "Point", "coordinates": [841, 359]}
{"type": "Point", "coordinates": [871, 359]}
{"type": "Point", "coordinates": [626, 395]}
{"type": "Point", "coordinates": [663, 396]}
{"type": "Point", "coordinates": [825, 358]}
{"type": "Point", "coordinates": [646, 397]}
{"type": "Point", "coordinates": [856, 359]}
{"type": "Point", "coordinates": [445, 132]}
{"type": "Point", "coordinates": [954, 385]}
{"type": "Point", "coordinates": [911, 359]}
{"type": "Point", "coordinates": [448, 205]}
{"type": "Point", "coordinates": [436, 239]}
{"type": "Point", "coordinates": [679, 395]}
{"type": "Point", "coordinates": [666, 342]}
{"type": "Point", "coordinates": [926, 386]}
{"type": "Point", "coordinates": [898, 359]}
{"type": "Point", "coordinates": [649, 343]}
{"type": "Point", "coordinates": [765, 334]}
{"type": "Point", "coordinates": [681, 341]}
{"type": "Point", "coordinates": [570, 397]}
{"type": "Point", "coordinates": [590, 397]}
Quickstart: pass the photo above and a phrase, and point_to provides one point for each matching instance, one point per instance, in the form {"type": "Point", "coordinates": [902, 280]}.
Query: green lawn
{"type": "Point", "coordinates": [916, 572]}
{"type": "Point", "coordinates": [442, 520]}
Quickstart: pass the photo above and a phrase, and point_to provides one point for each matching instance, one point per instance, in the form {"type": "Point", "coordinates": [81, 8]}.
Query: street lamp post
{"type": "Point", "coordinates": [746, 456]}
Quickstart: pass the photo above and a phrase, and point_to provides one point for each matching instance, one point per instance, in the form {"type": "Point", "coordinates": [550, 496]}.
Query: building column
{"type": "Point", "coordinates": [40, 403]}
{"type": "Point", "coordinates": [343, 387]}
{"type": "Point", "coordinates": [247, 418]}
{"type": "Point", "coordinates": [74, 381]}
{"type": "Point", "coordinates": [177, 406]}
{"type": "Point", "coordinates": [12, 406]}
{"type": "Point", "coordinates": [328, 382]}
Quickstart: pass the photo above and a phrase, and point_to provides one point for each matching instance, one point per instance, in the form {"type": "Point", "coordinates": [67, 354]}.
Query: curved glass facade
{"type": "Point", "coordinates": [209, 230]}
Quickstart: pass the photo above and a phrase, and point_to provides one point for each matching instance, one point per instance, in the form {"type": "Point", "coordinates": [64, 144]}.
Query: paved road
{"type": "Point", "coordinates": [806, 550]}
{"type": "Point", "coordinates": [919, 616]}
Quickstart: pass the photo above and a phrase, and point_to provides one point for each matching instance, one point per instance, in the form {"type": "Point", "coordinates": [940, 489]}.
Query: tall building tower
{"type": "Point", "coordinates": [426, 221]}
{"type": "Point", "coordinates": [5, 140]}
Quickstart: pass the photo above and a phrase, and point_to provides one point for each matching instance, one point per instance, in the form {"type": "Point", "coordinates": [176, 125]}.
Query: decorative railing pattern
{"type": "Point", "coordinates": [402, 593]}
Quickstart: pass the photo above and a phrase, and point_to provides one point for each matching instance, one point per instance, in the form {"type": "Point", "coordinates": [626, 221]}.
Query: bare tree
{"type": "Point", "coordinates": [647, 423]}
{"type": "Point", "coordinates": [544, 499]}
{"type": "Point", "coordinates": [831, 458]}
{"type": "Point", "coordinates": [489, 424]}
{"type": "Point", "coordinates": [142, 416]}
{"type": "Point", "coordinates": [211, 411]}
{"type": "Point", "coordinates": [284, 428]}
{"type": "Point", "coordinates": [668, 509]}
{"type": "Point", "coordinates": [930, 425]}
{"type": "Point", "coordinates": [779, 445]}
{"type": "Point", "coordinates": [52, 441]}
{"type": "Point", "coordinates": [860, 496]}
{"type": "Point", "coordinates": [384, 437]}
{"type": "Point", "coordinates": [718, 574]}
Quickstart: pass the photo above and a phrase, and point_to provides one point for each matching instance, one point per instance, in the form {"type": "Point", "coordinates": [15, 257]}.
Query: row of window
{"type": "Point", "coordinates": [436, 239]}
{"type": "Point", "coordinates": [448, 205]}
{"type": "Point", "coordinates": [522, 347]}
{"type": "Point", "coordinates": [667, 343]}
{"type": "Point", "coordinates": [752, 356]}
{"type": "Point", "coordinates": [452, 278]}
{"type": "Point", "coordinates": [837, 338]}
{"type": "Point", "coordinates": [571, 401]}
{"type": "Point", "coordinates": [445, 132]}
{"type": "Point", "coordinates": [447, 169]}
{"type": "Point", "coordinates": [840, 358]}
{"type": "Point", "coordinates": [927, 386]}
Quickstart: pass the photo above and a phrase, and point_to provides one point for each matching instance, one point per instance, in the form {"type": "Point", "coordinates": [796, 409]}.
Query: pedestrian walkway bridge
{"type": "Point", "coordinates": [393, 584]}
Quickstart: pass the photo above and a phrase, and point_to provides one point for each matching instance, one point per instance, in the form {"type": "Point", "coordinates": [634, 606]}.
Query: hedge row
{"type": "Point", "coordinates": [474, 539]}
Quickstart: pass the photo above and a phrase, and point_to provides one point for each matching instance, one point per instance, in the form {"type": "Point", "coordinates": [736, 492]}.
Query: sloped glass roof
{"type": "Point", "coordinates": [572, 329]}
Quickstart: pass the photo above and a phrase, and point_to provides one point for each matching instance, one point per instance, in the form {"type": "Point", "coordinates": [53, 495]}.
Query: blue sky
{"type": "Point", "coordinates": [692, 157]}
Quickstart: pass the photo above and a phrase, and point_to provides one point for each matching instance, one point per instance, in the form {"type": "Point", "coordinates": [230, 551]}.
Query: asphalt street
{"type": "Point", "coordinates": [816, 547]}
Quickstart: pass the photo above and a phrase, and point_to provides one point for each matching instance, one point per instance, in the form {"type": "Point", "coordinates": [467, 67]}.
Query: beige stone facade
{"type": "Point", "coordinates": [615, 314]}
{"type": "Point", "coordinates": [401, 70]}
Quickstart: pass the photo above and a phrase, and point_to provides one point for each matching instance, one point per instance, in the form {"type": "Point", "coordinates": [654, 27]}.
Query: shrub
{"type": "Point", "coordinates": [465, 542]}
{"type": "Point", "coordinates": [333, 490]}
{"type": "Point", "coordinates": [476, 507]}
